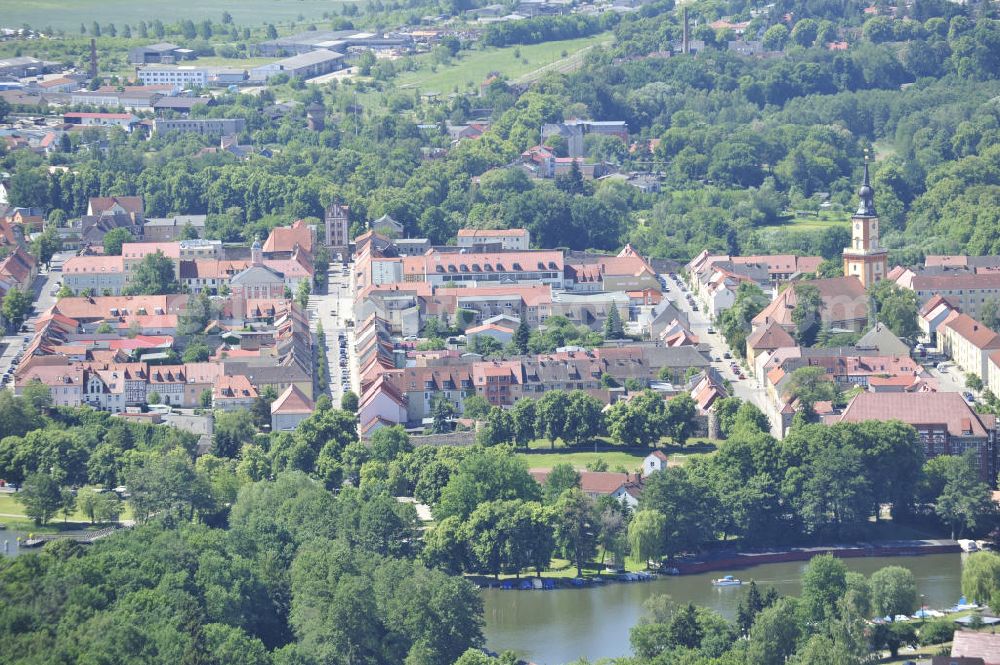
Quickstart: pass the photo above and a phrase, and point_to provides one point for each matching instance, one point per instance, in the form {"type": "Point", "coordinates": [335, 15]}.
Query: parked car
{"type": "Point", "coordinates": [727, 355]}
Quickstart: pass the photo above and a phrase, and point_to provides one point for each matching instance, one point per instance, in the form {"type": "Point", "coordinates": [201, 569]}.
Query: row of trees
{"type": "Point", "coordinates": [575, 417]}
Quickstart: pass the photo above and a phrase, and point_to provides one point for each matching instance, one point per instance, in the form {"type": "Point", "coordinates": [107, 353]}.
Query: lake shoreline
{"type": "Point", "coordinates": [734, 561]}
{"type": "Point", "coordinates": [738, 560]}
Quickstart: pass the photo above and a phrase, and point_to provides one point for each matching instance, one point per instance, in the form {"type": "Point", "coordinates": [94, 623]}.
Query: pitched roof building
{"type": "Point", "coordinates": [946, 423]}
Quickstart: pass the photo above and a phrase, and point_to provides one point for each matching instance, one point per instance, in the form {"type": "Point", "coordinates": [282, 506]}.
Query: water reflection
{"type": "Point", "coordinates": [554, 627]}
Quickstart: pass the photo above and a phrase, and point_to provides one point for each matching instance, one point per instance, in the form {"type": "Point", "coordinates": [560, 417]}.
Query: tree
{"type": "Point", "coordinates": [679, 420]}
{"type": "Point", "coordinates": [639, 421]}
{"type": "Point", "coordinates": [389, 443]}
{"type": "Point", "coordinates": [964, 500]}
{"type": "Point", "coordinates": [197, 352]}
{"type": "Point", "coordinates": [684, 629]}
{"type": "Point", "coordinates": [302, 294]}
{"type": "Point", "coordinates": [973, 382]}
{"type": "Point", "coordinates": [523, 419]}
{"type": "Point", "coordinates": [561, 477]}
{"type": "Point", "coordinates": [754, 604]}
{"type": "Point", "coordinates": [41, 497]}
{"type": "Point", "coordinates": [475, 407]}
{"type": "Point", "coordinates": [521, 337]}
{"type": "Point", "coordinates": [645, 535]}
{"type": "Point", "coordinates": [893, 591]}
{"type": "Point", "coordinates": [804, 32]}
{"type": "Point", "coordinates": [488, 474]}
{"type": "Point", "coordinates": [153, 276]}
{"type": "Point", "coordinates": [981, 577]}
{"type": "Point", "coordinates": [774, 635]}
{"type": "Point", "coordinates": [445, 546]}
{"type": "Point", "coordinates": [613, 325]}
{"type": "Point", "coordinates": [87, 500]}
{"type": "Point", "coordinates": [349, 402]}
{"type": "Point", "coordinates": [776, 37]}
{"type": "Point", "coordinates": [806, 314]}
{"type": "Point", "coordinates": [233, 429]}
{"type": "Point", "coordinates": [575, 528]}
{"type": "Point", "coordinates": [823, 584]}
{"type": "Point", "coordinates": [114, 239]}
{"type": "Point", "coordinates": [442, 412]}
{"type": "Point", "coordinates": [16, 305]}
{"type": "Point", "coordinates": [810, 385]}
{"type": "Point", "coordinates": [897, 308]}
{"type": "Point", "coordinates": [46, 244]}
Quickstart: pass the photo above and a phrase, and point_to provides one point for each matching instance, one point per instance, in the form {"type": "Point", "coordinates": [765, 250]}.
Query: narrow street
{"type": "Point", "coordinates": [334, 309]}
{"type": "Point", "coordinates": [748, 389]}
{"type": "Point", "coordinates": [45, 287]}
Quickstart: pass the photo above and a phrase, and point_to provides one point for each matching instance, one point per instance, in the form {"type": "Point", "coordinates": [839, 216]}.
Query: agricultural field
{"type": "Point", "coordinates": [471, 67]}
{"type": "Point", "coordinates": [69, 14]}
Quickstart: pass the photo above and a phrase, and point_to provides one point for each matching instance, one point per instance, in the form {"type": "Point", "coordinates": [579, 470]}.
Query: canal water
{"type": "Point", "coordinates": [556, 627]}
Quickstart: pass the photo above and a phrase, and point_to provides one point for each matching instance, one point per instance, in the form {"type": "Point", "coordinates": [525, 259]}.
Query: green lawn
{"type": "Point", "coordinates": [579, 460]}
{"type": "Point", "coordinates": [68, 14]}
{"type": "Point", "coordinates": [541, 456]}
{"type": "Point", "coordinates": [472, 67]}
{"type": "Point", "coordinates": [10, 506]}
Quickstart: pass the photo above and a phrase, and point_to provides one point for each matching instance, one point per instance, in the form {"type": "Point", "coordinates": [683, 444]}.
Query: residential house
{"type": "Point", "coordinates": [231, 393]}
{"type": "Point", "coordinates": [99, 275]}
{"type": "Point", "coordinates": [437, 267]}
{"type": "Point", "coordinates": [171, 229]}
{"type": "Point", "coordinates": [970, 644]}
{"type": "Point", "coordinates": [844, 305]}
{"type": "Point", "coordinates": [931, 315]}
{"type": "Point", "coordinates": [283, 240]}
{"type": "Point", "coordinates": [387, 226]}
{"type": "Point", "coordinates": [125, 121]}
{"type": "Point", "coordinates": [203, 126]}
{"type": "Point", "coordinates": [509, 239]}
{"type": "Point", "coordinates": [291, 408]}
{"type": "Point", "coordinates": [882, 341]}
{"type": "Point", "coordinates": [655, 461]}
{"type": "Point", "coordinates": [766, 339]}
{"type": "Point", "coordinates": [968, 343]}
{"type": "Point", "coordinates": [966, 291]}
{"type": "Point", "coordinates": [134, 252]}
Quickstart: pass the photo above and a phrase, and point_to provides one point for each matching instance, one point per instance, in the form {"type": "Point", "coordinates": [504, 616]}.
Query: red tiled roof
{"type": "Point", "coordinates": [948, 409]}
{"type": "Point", "coordinates": [972, 330]}
{"type": "Point", "coordinates": [94, 264]}
{"type": "Point", "coordinates": [137, 250]}
{"type": "Point", "coordinates": [292, 401]}
{"type": "Point", "coordinates": [591, 482]}
{"type": "Point", "coordinates": [770, 337]}
{"type": "Point", "coordinates": [958, 281]}
{"type": "Point", "coordinates": [972, 644]}
{"type": "Point", "coordinates": [285, 238]}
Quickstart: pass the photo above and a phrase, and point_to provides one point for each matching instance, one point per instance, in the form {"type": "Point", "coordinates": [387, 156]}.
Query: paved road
{"type": "Point", "coordinates": [748, 389]}
{"type": "Point", "coordinates": [334, 309]}
{"type": "Point", "coordinates": [44, 286]}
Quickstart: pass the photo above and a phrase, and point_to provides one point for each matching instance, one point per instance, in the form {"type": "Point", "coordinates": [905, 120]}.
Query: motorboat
{"type": "Point", "coordinates": [728, 580]}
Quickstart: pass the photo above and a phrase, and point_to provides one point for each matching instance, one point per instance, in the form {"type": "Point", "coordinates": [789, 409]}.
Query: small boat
{"type": "Point", "coordinates": [672, 571]}
{"type": "Point", "coordinates": [728, 580]}
{"type": "Point", "coordinates": [968, 545]}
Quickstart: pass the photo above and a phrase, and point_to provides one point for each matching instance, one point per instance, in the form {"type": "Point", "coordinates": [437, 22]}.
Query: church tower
{"type": "Point", "coordinates": [865, 258]}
